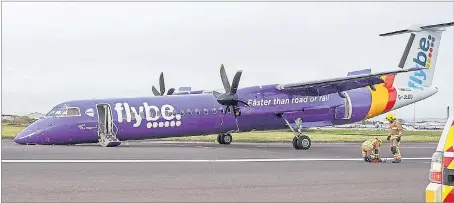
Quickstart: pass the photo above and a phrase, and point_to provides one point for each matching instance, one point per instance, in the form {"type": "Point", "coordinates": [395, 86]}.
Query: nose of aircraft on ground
{"type": "Point", "coordinates": [32, 134]}
{"type": "Point", "coordinates": [28, 135]}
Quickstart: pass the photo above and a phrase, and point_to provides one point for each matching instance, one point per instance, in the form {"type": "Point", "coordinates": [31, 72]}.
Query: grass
{"type": "Point", "coordinates": [316, 135]}
{"type": "Point", "coordinates": [319, 136]}
{"type": "Point", "coordinates": [10, 131]}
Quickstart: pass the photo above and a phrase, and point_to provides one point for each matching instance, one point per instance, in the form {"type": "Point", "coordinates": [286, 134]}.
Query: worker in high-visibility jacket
{"type": "Point", "coordinates": [370, 150]}
{"type": "Point", "coordinates": [394, 135]}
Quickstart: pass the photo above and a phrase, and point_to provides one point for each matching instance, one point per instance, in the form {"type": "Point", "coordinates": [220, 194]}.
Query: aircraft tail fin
{"type": "Point", "coordinates": [421, 52]}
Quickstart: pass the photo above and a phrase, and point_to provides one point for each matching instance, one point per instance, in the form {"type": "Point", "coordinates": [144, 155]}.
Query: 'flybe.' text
{"type": "Point", "coordinates": [152, 114]}
{"type": "Point", "coordinates": [422, 60]}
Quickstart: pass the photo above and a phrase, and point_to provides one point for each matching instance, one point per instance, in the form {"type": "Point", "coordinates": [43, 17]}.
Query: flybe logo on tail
{"type": "Point", "coordinates": [422, 60]}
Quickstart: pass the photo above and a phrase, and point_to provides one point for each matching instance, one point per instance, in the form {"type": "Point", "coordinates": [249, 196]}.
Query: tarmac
{"type": "Point", "coordinates": [151, 171]}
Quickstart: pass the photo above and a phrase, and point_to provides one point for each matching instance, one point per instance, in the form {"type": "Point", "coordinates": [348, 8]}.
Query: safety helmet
{"type": "Point", "coordinates": [379, 140]}
{"type": "Point", "coordinates": [390, 117]}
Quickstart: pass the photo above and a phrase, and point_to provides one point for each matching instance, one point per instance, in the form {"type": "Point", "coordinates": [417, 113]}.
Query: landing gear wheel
{"type": "Point", "coordinates": [219, 139]}
{"type": "Point", "coordinates": [294, 142]}
{"type": "Point", "coordinates": [301, 142]}
{"type": "Point", "coordinates": [225, 138]}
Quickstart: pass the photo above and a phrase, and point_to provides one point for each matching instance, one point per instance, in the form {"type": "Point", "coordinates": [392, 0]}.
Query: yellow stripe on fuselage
{"type": "Point", "coordinates": [379, 100]}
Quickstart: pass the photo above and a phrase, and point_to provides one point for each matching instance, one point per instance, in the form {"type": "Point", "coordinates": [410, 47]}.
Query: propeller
{"type": "Point", "coordinates": [230, 97]}
{"type": "Point", "coordinates": [162, 87]}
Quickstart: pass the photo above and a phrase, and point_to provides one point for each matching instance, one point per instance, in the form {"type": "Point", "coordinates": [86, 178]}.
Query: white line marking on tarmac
{"type": "Point", "coordinates": [195, 160]}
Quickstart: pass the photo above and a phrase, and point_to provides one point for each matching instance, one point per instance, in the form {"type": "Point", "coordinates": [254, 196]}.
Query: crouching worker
{"type": "Point", "coordinates": [370, 150]}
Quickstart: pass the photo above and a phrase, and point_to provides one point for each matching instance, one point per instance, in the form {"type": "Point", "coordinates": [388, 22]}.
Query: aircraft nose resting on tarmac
{"type": "Point", "coordinates": [359, 95]}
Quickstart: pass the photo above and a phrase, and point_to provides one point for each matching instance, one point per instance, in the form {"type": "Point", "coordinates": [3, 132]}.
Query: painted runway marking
{"type": "Point", "coordinates": [195, 160]}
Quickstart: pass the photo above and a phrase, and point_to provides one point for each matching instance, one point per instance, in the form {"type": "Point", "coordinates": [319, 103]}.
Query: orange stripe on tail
{"type": "Point", "coordinates": [389, 81]}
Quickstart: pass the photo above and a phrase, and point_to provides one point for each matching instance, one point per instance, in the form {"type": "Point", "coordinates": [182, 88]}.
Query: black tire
{"type": "Point", "coordinates": [226, 139]}
{"type": "Point", "coordinates": [294, 143]}
{"type": "Point", "coordinates": [304, 142]}
{"type": "Point", "coordinates": [220, 139]}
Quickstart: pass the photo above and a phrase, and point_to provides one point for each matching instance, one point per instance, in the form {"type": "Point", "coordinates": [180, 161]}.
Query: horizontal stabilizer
{"type": "Point", "coordinates": [336, 85]}
{"type": "Point", "coordinates": [359, 72]}
{"type": "Point", "coordinates": [433, 27]}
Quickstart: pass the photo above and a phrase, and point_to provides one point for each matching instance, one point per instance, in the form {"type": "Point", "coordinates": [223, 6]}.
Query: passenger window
{"type": "Point", "coordinates": [221, 110]}
{"type": "Point", "coordinates": [197, 111]}
{"type": "Point", "coordinates": [214, 110]}
{"type": "Point", "coordinates": [182, 112]}
{"type": "Point", "coordinates": [205, 110]}
{"type": "Point", "coordinates": [189, 112]}
{"type": "Point", "coordinates": [133, 116]}
{"type": "Point", "coordinates": [158, 113]}
{"type": "Point", "coordinates": [174, 112]}
{"type": "Point", "coordinates": [153, 114]}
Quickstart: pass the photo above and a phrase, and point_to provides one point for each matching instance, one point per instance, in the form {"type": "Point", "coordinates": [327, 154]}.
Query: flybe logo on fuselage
{"type": "Point", "coordinates": [422, 60]}
{"type": "Point", "coordinates": [150, 113]}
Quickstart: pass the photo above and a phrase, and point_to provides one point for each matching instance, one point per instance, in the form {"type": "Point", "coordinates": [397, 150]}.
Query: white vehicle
{"type": "Point", "coordinates": [441, 186]}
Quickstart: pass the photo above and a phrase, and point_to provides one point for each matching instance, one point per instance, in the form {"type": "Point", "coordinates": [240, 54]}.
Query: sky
{"type": "Point", "coordinates": [58, 51]}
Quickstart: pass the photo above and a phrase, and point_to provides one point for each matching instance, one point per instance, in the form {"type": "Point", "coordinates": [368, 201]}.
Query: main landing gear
{"type": "Point", "coordinates": [224, 138]}
{"type": "Point", "coordinates": [300, 141]}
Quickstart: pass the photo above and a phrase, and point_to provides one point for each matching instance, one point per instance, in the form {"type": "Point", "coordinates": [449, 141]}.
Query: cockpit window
{"type": "Point", "coordinates": [56, 111]}
{"type": "Point", "coordinates": [64, 112]}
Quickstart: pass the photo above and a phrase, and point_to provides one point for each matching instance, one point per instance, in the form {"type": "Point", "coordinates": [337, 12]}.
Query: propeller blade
{"type": "Point", "coordinates": [235, 82]}
{"type": "Point", "coordinates": [155, 91]}
{"type": "Point", "coordinates": [171, 90]}
{"type": "Point", "coordinates": [161, 83]}
{"type": "Point", "coordinates": [225, 80]}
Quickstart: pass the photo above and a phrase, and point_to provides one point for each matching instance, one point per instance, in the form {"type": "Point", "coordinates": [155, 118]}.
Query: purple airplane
{"type": "Point", "coordinates": [358, 96]}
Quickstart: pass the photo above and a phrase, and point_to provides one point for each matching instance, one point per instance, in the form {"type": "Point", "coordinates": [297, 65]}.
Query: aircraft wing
{"type": "Point", "coordinates": [336, 85]}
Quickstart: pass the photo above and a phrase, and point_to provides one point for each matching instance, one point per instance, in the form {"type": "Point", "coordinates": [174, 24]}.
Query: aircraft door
{"type": "Point", "coordinates": [106, 136]}
{"type": "Point", "coordinates": [345, 110]}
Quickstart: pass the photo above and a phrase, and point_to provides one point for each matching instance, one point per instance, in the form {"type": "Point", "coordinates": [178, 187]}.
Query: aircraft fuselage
{"type": "Point", "coordinates": [200, 114]}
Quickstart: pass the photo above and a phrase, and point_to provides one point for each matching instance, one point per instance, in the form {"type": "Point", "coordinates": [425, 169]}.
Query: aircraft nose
{"type": "Point", "coordinates": [29, 135]}
{"type": "Point", "coordinates": [22, 138]}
